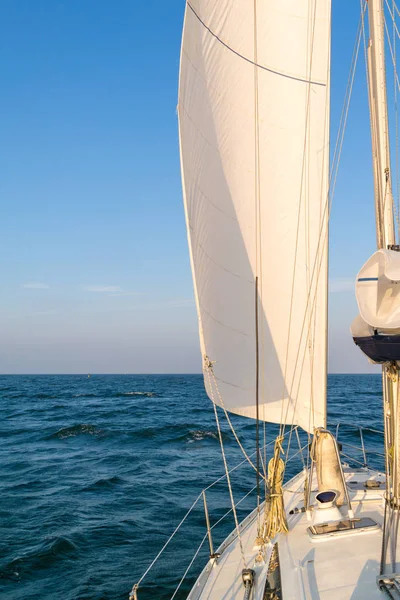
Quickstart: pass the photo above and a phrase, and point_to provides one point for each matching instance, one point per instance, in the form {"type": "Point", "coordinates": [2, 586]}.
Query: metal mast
{"type": "Point", "coordinates": [386, 238]}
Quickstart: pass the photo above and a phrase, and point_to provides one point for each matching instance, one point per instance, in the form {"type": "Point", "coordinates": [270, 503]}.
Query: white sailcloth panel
{"type": "Point", "coordinates": [275, 229]}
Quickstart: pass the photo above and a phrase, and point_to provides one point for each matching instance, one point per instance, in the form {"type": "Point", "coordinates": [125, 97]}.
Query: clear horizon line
{"type": "Point", "coordinates": [138, 374]}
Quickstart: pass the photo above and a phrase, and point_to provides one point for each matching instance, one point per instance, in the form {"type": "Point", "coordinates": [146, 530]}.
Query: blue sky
{"type": "Point", "coordinates": [93, 252]}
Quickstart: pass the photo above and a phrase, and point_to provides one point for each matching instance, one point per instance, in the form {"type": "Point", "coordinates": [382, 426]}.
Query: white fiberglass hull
{"type": "Point", "coordinates": [340, 567]}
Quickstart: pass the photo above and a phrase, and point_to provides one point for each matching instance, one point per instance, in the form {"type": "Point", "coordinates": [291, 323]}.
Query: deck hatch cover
{"type": "Point", "coordinates": [341, 527]}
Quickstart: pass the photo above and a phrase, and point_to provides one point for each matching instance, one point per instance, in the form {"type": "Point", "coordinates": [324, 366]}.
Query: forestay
{"type": "Point", "coordinates": [254, 137]}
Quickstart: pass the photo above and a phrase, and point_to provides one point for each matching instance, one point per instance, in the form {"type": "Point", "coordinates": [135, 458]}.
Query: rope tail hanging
{"type": "Point", "coordinates": [275, 517]}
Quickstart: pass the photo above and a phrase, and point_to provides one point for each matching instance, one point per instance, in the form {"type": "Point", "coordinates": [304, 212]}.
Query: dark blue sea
{"type": "Point", "coordinates": [97, 472]}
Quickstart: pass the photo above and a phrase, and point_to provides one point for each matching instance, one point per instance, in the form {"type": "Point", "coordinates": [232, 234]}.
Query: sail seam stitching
{"type": "Point", "coordinates": [273, 71]}
{"type": "Point", "coordinates": [221, 323]}
{"type": "Point", "coordinates": [199, 245]}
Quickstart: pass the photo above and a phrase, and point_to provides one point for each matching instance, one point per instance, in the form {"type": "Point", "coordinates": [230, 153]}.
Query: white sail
{"type": "Point", "coordinates": [254, 137]}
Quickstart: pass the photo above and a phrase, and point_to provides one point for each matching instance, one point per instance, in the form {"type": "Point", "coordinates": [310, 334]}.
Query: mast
{"type": "Point", "coordinates": [379, 126]}
{"type": "Point", "coordinates": [386, 239]}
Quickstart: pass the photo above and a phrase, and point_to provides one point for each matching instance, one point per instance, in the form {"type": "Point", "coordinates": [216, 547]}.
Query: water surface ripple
{"type": "Point", "coordinates": [97, 472]}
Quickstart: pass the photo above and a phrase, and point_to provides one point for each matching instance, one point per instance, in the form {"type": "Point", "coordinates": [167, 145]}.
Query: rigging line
{"type": "Point", "coordinates": [396, 128]}
{"type": "Point", "coordinates": [301, 448]}
{"type": "Point", "coordinates": [228, 512]}
{"type": "Point", "coordinates": [257, 407]}
{"type": "Point", "coordinates": [392, 55]}
{"type": "Point", "coordinates": [262, 463]}
{"type": "Point", "coordinates": [395, 536]}
{"type": "Point", "coordinates": [308, 98]}
{"type": "Point", "coordinates": [393, 18]}
{"type": "Point", "coordinates": [395, 206]}
{"type": "Point", "coordinates": [307, 230]}
{"type": "Point", "coordinates": [246, 459]}
{"type": "Point", "coordinates": [190, 564]}
{"type": "Point", "coordinates": [265, 459]}
{"type": "Point", "coordinates": [257, 183]}
{"type": "Point", "coordinates": [288, 447]}
{"type": "Point", "coordinates": [349, 86]}
{"type": "Point", "coordinates": [385, 195]}
{"type": "Point", "coordinates": [248, 60]}
{"type": "Point", "coordinates": [247, 456]}
{"type": "Point", "coordinates": [386, 409]}
{"type": "Point", "coordinates": [392, 386]}
{"type": "Point", "coordinates": [388, 186]}
{"type": "Point", "coordinates": [136, 586]}
{"type": "Point", "coordinates": [210, 370]}
{"type": "Point", "coordinates": [333, 179]}
{"type": "Point", "coordinates": [228, 479]}
{"type": "Point", "coordinates": [395, 7]}
{"type": "Point", "coordinates": [259, 327]}
{"type": "Point", "coordinates": [311, 340]}
{"type": "Point", "coordinates": [313, 315]}
{"type": "Point", "coordinates": [378, 215]}
{"type": "Point", "coordinates": [258, 228]}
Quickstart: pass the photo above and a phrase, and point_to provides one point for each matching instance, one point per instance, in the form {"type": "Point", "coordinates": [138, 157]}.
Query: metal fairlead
{"type": "Point", "coordinates": [390, 585]}
{"type": "Point", "coordinates": [248, 581]}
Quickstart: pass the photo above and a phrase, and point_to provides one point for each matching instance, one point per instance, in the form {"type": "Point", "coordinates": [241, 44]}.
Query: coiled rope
{"type": "Point", "coordinates": [275, 518]}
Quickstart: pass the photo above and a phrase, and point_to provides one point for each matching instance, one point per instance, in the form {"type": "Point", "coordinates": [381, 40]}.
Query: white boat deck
{"type": "Point", "coordinates": [341, 567]}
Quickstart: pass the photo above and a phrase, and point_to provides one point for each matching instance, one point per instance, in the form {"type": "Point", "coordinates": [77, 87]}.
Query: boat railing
{"type": "Point", "coordinates": [202, 499]}
{"type": "Point", "coordinates": [361, 455]}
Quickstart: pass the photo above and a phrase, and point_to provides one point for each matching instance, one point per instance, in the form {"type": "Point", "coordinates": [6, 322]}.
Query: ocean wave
{"type": "Point", "coordinates": [28, 485]}
{"type": "Point", "coordinates": [147, 394]}
{"type": "Point", "coordinates": [103, 484]}
{"type": "Point", "coordinates": [73, 508]}
{"type": "Point", "coordinates": [47, 554]}
{"type": "Point", "coordinates": [369, 393]}
{"type": "Point", "coordinates": [199, 435]}
{"type": "Point", "coordinates": [75, 430]}
{"type": "Point", "coordinates": [116, 395]}
{"type": "Point", "coordinates": [171, 432]}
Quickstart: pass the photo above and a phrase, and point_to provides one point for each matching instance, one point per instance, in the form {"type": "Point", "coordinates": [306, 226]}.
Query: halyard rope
{"type": "Point", "coordinates": [133, 593]}
{"type": "Point", "coordinates": [190, 564]}
{"type": "Point", "coordinates": [228, 479]}
{"type": "Point", "coordinates": [210, 371]}
{"type": "Point", "coordinates": [326, 212]}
